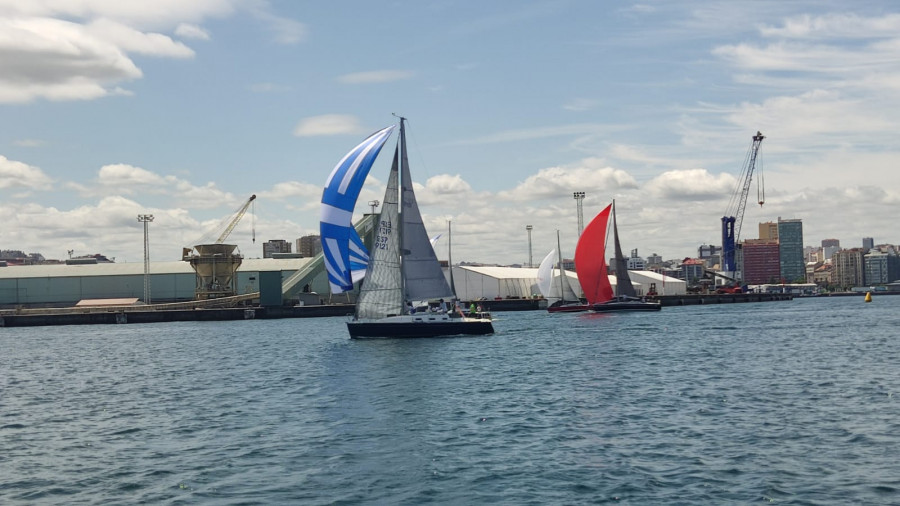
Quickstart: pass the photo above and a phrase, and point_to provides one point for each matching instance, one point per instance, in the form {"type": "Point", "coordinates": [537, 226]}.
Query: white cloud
{"type": "Point", "coordinates": [157, 14]}
{"type": "Point", "coordinates": [296, 195]}
{"type": "Point", "coordinates": [130, 40]}
{"type": "Point", "coordinates": [29, 143]}
{"type": "Point", "coordinates": [57, 60]}
{"type": "Point", "coordinates": [581, 104]}
{"type": "Point", "coordinates": [189, 31]}
{"type": "Point", "coordinates": [693, 185]}
{"type": "Point", "coordinates": [127, 179]}
{"type": "Point", "coordinates": [14, 174]}
{"type": "Point", "coordinates": [813, 114]}
{"type": "Point", "coordinates": [79, 50]}
{"type": "Point", "coordinates": [284, 30]}
{"type": "Point", "coordinates": [588, 129]}
{"type": "Point", "coordinates": [376, 76]}
{"type": "Point", "coordinates": [269, 88]}
{"type": "Point", "coordinates": [208, 196]}
{"type": "Point", "coordinates": [328, 124]}
{"type": "Point", "coordinates": [444, 190]}
{"type": "Point", "coordinates": [640, 9]}
{"type": "Point", "coordinates": [290, 190]}
{"type": "Point", "coordinates": [557, 182]}
{"type": "Point", "coordinates": [835, 25]}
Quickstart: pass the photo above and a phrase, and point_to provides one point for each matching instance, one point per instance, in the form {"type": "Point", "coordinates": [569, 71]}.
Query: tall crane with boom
{"type": "Point", "coordinates": [216, 263]}
{"type": "Point", "coordinates": [234, 221]}
{"type": "Point", "coordinates": [734, 214]}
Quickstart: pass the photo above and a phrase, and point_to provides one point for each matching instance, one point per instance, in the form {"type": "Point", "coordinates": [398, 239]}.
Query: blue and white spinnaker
{"type": "Point", "coordinates": [345, 254]}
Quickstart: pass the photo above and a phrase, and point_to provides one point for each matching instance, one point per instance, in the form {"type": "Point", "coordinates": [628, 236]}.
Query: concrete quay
{"type": "Point", "coordinates": [125, 315]}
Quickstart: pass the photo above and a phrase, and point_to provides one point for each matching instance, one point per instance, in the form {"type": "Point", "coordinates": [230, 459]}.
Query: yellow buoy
{"type": "Point", "coordinates": [868, 296]}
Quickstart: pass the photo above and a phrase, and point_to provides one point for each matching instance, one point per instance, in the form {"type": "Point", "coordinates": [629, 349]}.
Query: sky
{"type": "Point", "coordinates": [184, 108]}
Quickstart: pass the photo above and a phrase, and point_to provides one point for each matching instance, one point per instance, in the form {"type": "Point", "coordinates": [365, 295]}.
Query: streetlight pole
{"type": "Point", "coordinates": [529, 228]}
{"type": "Point", "coordinates": [146, 219]}
{"type": "Point", "coordinates": [579, 196]}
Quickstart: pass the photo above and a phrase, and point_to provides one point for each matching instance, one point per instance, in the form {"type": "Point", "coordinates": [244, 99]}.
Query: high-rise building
{"type": "Point", "coordinates": [309, 246]}
{"type": "Point", "coordinates": [768, 231]}
{"type": "Point", "coordinates": [761, 262]}
{"type": "Point", "coordinates": [635, 262]}
{"type": "Point", "coordinates": [881, 268]}
{"type": "Point", "coordinates": [790, 250]}
{"type": "Point", "coordinates": [829, 247]}
{"type": "Point", "coordinates": [849, 268]}
{"type": "Point", "coordinates": [275, 246]}
{"type": "Point", "coordinates": [707, 250]}
{"type": "Point", "coordinates": [868, 243]}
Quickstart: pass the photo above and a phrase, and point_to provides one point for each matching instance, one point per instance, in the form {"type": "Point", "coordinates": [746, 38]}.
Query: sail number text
{"type": "Point", "coordinates": [384, 232]}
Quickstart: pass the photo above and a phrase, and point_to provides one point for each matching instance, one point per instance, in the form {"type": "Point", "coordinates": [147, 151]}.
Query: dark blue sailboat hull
{"type": "Point", "coordinates": [631, 305]}
{"type": "Point", "coordinates": [418, 329]}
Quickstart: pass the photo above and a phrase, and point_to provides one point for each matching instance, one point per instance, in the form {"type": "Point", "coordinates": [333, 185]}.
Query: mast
{"type": "Point", "coordinates": [562, 295]}
{"type": "Point", "coordinates": [623, 280]}
{"type": "Point", "coordinates": [450, 257]}
{"type": "Point", "coordinates": [401, 153]}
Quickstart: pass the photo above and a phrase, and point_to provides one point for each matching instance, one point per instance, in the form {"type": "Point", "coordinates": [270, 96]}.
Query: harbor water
{"type": "Point", "coordinates": [793, 402]}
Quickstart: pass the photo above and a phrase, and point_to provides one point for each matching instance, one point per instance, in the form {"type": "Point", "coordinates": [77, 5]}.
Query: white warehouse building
{"type": "Point", "coordinates": [491, 282]}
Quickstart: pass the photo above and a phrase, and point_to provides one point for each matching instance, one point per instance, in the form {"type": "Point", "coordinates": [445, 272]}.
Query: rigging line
{"type": "Point", "coordinates": [760, 181]}
{"type": "Point", "coordinates": [425, 170]}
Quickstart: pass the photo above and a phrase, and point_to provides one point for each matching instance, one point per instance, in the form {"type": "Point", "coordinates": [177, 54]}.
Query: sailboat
{"type": "Point", "coordinates": [402, 268]}
{"type": "Point", "coordinates": [602, 299]}
{"type": "Point", "coordinates": [567, 301]}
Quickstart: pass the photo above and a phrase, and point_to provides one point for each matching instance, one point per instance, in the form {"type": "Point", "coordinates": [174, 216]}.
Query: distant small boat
{"type": "Point", "coordinates": [590, 261]}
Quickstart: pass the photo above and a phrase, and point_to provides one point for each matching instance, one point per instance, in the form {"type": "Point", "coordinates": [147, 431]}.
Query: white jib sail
{"type": "Point", "coordinates": [545, 274]}
{"type": "Point", "coordinates": [381, 293]}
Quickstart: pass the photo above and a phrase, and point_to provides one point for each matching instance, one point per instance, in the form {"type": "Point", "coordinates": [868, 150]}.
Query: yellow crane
{"type": "Point", "coordinates": [234, 221]}
{"type": "Point", "coordinates": [229, 227]}
{"type": "Point", "coordinates": [216, 263]}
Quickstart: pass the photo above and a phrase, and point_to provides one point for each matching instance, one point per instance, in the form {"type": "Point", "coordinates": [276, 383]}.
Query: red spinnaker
{"type": "Point", "coordinates": [590, 260]}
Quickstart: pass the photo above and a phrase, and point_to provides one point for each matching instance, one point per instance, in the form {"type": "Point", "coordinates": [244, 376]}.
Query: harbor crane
{"type": "Point", "coordinates": [234, 221]}
{"type": "Point", "coordinates": [216, 263]}
{"type": "Point", "coordinates": [734, 214]}
{"type": "Point", "coordinates": [230, 224]}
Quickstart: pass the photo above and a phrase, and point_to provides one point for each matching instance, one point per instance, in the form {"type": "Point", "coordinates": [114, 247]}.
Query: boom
{"type": "Point", "coordinates": [234, 221]}
{"type": "Point", "coordinates": [731, 222]}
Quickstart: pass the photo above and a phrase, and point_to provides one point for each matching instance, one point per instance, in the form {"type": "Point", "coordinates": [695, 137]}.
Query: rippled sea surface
{"type": "Point", "coordinates": [787, 402]}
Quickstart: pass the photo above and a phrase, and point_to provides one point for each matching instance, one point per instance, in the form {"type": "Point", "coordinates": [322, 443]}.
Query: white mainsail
{"type": "Point", "coordinates": [423, 278]}
{"type": "Point", "coordinates": [568, 293]}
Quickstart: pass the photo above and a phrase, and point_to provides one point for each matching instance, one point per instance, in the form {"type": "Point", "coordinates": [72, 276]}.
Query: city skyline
{"type": "Point", "coordinates": [184, 109]}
